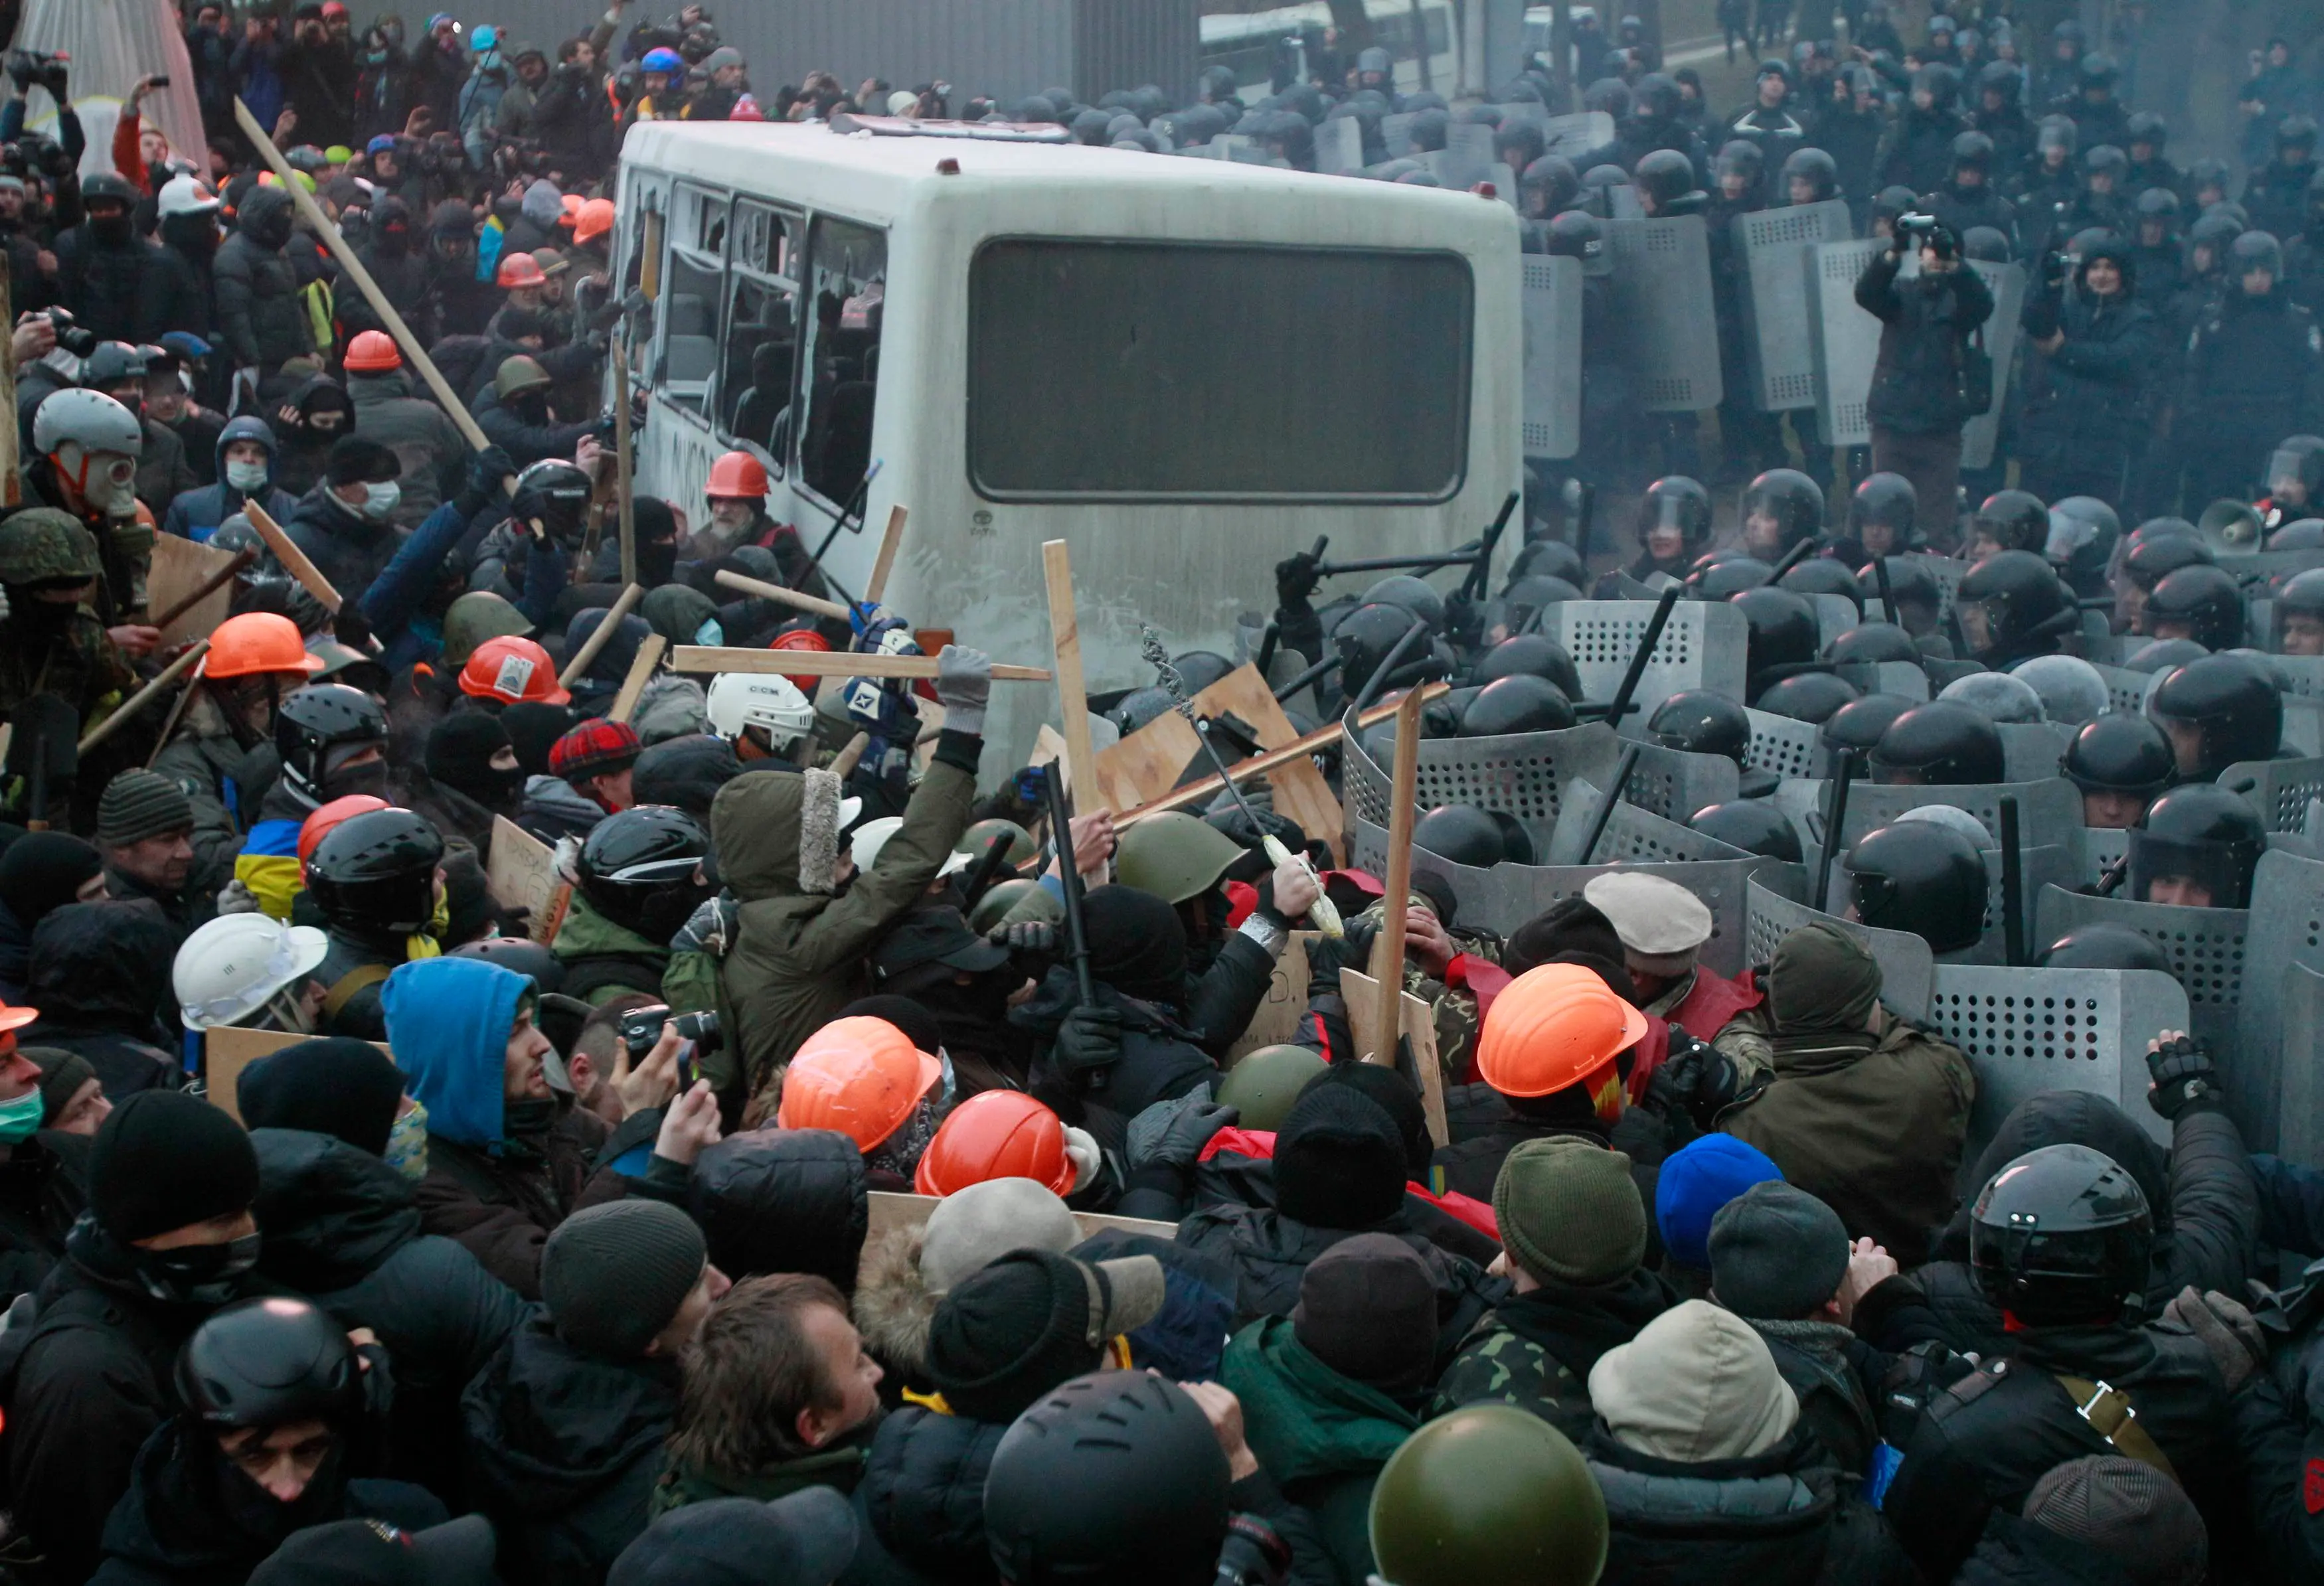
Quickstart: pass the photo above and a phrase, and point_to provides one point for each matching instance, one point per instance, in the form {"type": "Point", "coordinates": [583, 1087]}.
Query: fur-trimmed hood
{"type": "Point", "coordinates": [778, 835]}
{"type": "Point", "coordinates": [894, 1304]}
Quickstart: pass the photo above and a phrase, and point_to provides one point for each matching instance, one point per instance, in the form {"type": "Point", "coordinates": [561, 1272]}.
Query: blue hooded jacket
{"type": "Point", "coordinates": [447, 1024]}
{"type": "Point", "coordinates": [196, 513]}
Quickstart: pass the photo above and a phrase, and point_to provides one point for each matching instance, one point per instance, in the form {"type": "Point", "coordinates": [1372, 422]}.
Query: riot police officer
{"type": "Point", "coordinates": [2197, 848]}
{"type": "Point", "coordinates": [2255, 365]}
{"type": "Point", "coordinates": [2120, 762]}
{"type": "Point", "coordinates": [2217, 711]}
{"type": "Point", "coordinates": [1941, 743]}
{"type": "Point", "coordinates": [2011, 606]}
{"type": "Point", "coordinates": [1921, 877]}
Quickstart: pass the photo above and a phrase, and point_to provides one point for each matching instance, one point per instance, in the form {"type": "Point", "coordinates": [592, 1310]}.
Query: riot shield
{"type": "Point", "coordinates": [1339, 147]}
{"type": "Point", "coordinates": [2008, 284]}
{"type": "Point", "coordinates": [1577, 134]}
{"type": "Point", "coordinates": [1779, 354]}
{"type": "Point", "coordinates": [1466, 155]}
{"type": "Point", "coordinates": [1844, 341]}
{"type": "Point", "coordinates": [1663, 311]}
{"type": "Point", "coordinates": [1395, 135]}
{"type": "Point", "coordinates": [1552, 319]}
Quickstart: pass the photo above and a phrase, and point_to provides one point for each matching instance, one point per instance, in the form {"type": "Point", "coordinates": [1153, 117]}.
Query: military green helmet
{"type": "Point", "coordinates": [518, 374]}
{"type": "Point", "coordinates": [477, 616]}
{"type": "Point", "coordinates": [1021, 846]}
{"type": "Point", "coordinates": [43, 543]}
{"type": "Point", "coordinates": [1488, 1496]}
{"type": "Point", "coordinates": [1173, 855]}
{"type": "Point", "coordinates": [1265, 1080]}
{"type": "Point", "coordinates": [1000, 899]}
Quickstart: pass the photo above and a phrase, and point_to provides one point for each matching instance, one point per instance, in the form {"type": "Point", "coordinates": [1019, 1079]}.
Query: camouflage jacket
{"type": "Point", "coordinates": [1535, 1350]}
{"type": "Point", "coordinates": [1455, 1007]}
{"type": "Point", "coordinates": [81, 666]}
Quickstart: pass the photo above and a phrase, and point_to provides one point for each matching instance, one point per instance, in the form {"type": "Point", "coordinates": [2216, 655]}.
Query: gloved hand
{"type": "Point", "coordinates": [487, 471]}
{"type": "Point", "coordinates": [1296, 579]}
{"type": "Point", "coordinates": [234, 898]}
{"type": "Point", "coordinates": [2236, 1344]}
{"type": "Point", "coordinates": [55, 74]}
{"type": "Point", "coordinates": [2185, 1077]}
{"type": "Point", "coordinates": [964, 685]}
{"type": "Point", "coordinates": [1026, 938]}
{"type": "Point", "coordinates": [1089, 1042]}
{"type": "Point", "coordinates": [348, 627]}
{"type": "Point", "coordinates": [878, 708]}
{"type": "Point", "coordinates": [1182, 1143]}
{"type": "Point", "coordinates": [1326, 957]}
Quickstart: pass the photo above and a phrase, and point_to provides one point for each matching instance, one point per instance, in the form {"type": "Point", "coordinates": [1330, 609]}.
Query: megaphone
{"type": "Point", "coordinates": [2230, 526]}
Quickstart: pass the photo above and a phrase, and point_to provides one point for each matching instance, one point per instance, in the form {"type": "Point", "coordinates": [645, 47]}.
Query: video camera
{"type": "Point", "coordinates": [1926, 231]}
{"type": "Point", "coordinates": [49, 69]}
{"type": "Point", "coordinates": [641, 1028]}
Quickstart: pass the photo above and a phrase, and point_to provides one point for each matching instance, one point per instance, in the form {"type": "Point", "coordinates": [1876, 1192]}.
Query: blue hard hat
{"type": "Point", "coordinates": [669, 62]}
{"type": "Point", "coordinates": [382, 144]}
{"type": "Point", "coordinates": [486, 37]}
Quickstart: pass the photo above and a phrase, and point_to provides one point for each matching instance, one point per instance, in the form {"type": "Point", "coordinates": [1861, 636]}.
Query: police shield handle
{"type": "Point", "coordinates": [320, 224]}
{"type": "Point", "coordinates": [585, 656]}
{"type": "Point", "coordinates": [641, 671]}
{"type": "Point", "coordinates": [144, 697]}
{"type": "Point", "coordinates": [294, 560]}
{"type": "Point", "coordinates": [1072, 699]}
{"type": "Point", "coordinates": [1387, 952]}
{"type": "Point", "coordinates": [743, 583]}
{"type": "Point", "coordinates": [809, 663]}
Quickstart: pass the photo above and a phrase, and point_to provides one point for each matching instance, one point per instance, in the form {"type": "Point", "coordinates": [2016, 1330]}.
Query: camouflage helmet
{"type": "Point", "coordinates": [519, 374]}
{"type": "Point", "coordinates": [1265, 1080]}
{"type": "Point", "coordinates": [1488, 1496]}
{"type": "Point", "coordinates": [1173, 855]}
{"type": "Point", "coordinates": [477, 616]}
{"type": "Point", "coordinates": [43, 543]}
{"type": "Point", "coordinates": [1004, 896]}
{"type": "Point", "coordinates": [973, 841]}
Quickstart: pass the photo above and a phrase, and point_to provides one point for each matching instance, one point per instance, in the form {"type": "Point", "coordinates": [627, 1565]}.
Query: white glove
{"type": "Point", "coordinates": [234, 898]}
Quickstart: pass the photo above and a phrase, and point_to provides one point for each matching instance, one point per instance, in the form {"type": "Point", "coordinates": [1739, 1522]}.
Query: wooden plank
{"type": "Point", "coordinates": [522, 873]}
{"type": "Point", "coordinates": [890, 1210]}
{"type": "Point", "coordinates": [641, 671]}
{"type": "Point", "coordinates": [744, 584]}
{"type": "Point", "coordinates": [1143, 766]}
{"type": "Point", "coordinates": [179, 567]}
{"type": "Point", "coordinates": [809, 663]}
{"type": "Point", "coordinates": [1072, 696]}
{"type": "Point", "coordinates": [1277, 1019]}
{"type": "Point", "coordinates": [1418, 1026]}
{"type": "Point", "coordinates": [891, 540]}
{"type": "Point", "coordinates": [1321, 738]}
{"type": "Point", "coordinates": [129, 708]}
{"type": "Point", "coordinates": [228, 1049]}
{"type": "Point", "coordinates": [294, 560]}
{"type": "Point", "coordinates": [601, 636]}
{"type": "Point", "coordinates": [1388, 947]}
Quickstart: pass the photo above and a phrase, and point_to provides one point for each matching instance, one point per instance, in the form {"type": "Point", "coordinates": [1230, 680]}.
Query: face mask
{"type": "Point", "coordinates": [20, 1117]}
{"type": "Point", "coordinates": [202, 1275]}
{"type": "Point", "coordinates": [246, 477]}
{"type": "Point", "coordinates": [112, 229]}
{"type": "Point", "coordinates": [380, 500]}
{"type": "Point", "coordinates": [407, 1143]}
{"type": "Point", "coordinates": [712, 632]}
{"type": "Point", "coordinates": [112, 484]}
{"type": "Point", "coordinates": [368, 777]}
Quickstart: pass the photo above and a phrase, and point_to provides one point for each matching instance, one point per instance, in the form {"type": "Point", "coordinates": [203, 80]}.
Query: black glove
{"type": "Point", "coordinates": [1326, 957]}
{"type": "Point", "coordinates": [2185, 1080]}
{"type": "Point", "coordinates": [1030, 942]}
{"type": "Point", "coordinates": [1296, 579]}
{"type": "Point", "coordinates": [348, 627]}
{"type": "Point", "coordinates": [22, 68]}
{"type": "Point", "coordinates": [486, 472]}
{"type": "Point", "coordinates": [1182, 1143]}
{"type": "Point", "coordinates": [53, 76]}
{"type": "Point", "coordinates": [1089, 1042]}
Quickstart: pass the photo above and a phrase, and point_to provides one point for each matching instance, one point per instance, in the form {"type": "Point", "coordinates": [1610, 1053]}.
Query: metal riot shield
{"type": "Point", "coordinates": [1339, 147]}
{"type": "Point", "coordinates": [1844, 341]}
{"type": "Point", "coordinates": [1663, 311]}
{"type": "Point", "coordinates": [1552, 319]}
{"type": "Point", "coordinates": [2008, 284]}
{"type": "Point", "coordinates": [1577, 134]}
{"type": "Point", "coordinates": [1519, 110]}
{"type": "Point", "coordinates": [1774, 244]}
{"type": "Point", "coordinates": [1470, 147]}
{"type": "Point", "coordinates": [1395, 134]}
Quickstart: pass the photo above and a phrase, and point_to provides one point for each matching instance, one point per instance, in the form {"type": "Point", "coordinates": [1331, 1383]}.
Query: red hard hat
{"type": "Point", "coordinates": [512, 671]}
{"type": "Point", "coordinates": [256, 642]}
{"type": "Point", "coordinates": [326, 819]}
{"type": "Point", "coordinates": [737, 476]}
{"type": "Point", "coordinates": [996, 1134]}
{"type": "Point", "coordinates": [373, 352]}
{"type": "Point", "coordinates": [805, 638]}
{"type": "Point", "coordinates": [520, 270]}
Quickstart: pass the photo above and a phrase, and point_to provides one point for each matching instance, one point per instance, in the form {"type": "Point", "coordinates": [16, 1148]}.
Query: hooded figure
{"type": "Point", "coordinates": [502, 1171]}
{"type": "Point", "coordinates": [40, 873]}
{"type": "Point", "coordinates": [351, 541]}
{"type": "Point", "coordinates": [2088, 397]}
{"type": "Point", "coordinates": [783, 1200]}
{"type": "Point", "coordinates": [261, 319]}
{"type": "Point", "coordinates": [96, 971]}
{"type": "Point", "coordinates": [471, 776]}
{"type": "Point", "coordinates": [326, 416]}
{"type": "Point", "coordinates": [195, 514]}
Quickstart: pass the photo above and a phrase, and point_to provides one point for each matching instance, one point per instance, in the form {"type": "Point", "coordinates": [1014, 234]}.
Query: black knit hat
{"type": "Point", "coordinates": [533, 729]}
{"type": "Point", "coordinates": [1033, 1319]}
{"type": "Point", "coordinates": [63, 1073]}
{"type": "Point", "coordinates": [1338, 1159]}
{"type": "Point", "coordinates": [1570, 925]}
{"type": "Point", "coordinates": [141, 804]}
{"type": "Point", "coordinates": [45, 871]}
{"type": "Point", "coordinates": [1398, 1096]}
{"type": "Point", "coordinates": [1367, 1309]}
{"type": "Point", "coordinates": [333, 1084]}
{"type": "Point", "coordinates": [358, 458]}
{"type": "Point", "coordinates": [613, 1275]}
{"type": "Point", "coordinates": [1136, 945]}
{"type": "Point", "coordinates": [165, 1160]}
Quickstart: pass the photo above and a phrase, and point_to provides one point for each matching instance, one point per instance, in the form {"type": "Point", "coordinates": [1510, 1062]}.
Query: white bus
{"type": "Point", "coordinates": [1185, 368]}
{"type": "Point", "coordinates": [1247, 40]}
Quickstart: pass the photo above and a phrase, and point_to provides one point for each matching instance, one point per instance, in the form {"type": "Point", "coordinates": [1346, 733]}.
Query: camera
{"type": "Point", "coordinates": [641, 1028]}
{"type": "Point", "coordinates": [1916, 225]}
{"type": "Point", "coordinates": [71, 335]}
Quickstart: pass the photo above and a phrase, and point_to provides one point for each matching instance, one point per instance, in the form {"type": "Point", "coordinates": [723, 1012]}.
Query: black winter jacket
{"type": "Point", "coordinates": [1916, 384]}
{"type": "Point", "coordinates": [1767, 1519]}
{"type": "Point", "coordinates": [783, 1200]}
{"type": "Point", "coordinates": [501, 1208]}
{"type": "Point", "coordinates": [134, 291]}
{"type": "Point", "coordinates": [2090, 394]}
{"type": "Point", "coordinates": [346, 547]}
{"type": "Point", "coordinates": [1161, 1058]}
{"type": "Point", "coordinates": [2016, 1552]}
{"type": "Point", "coordinates": [923, 1494]}
{"type": "Point", "coordinates": [564, 1448]}
{"type": "Point", "coordinates": [44, 1185]}
{"type": "Point", "coordinates": [2255, 367]}
{"type": "Point", "coordinates": [260, 318]}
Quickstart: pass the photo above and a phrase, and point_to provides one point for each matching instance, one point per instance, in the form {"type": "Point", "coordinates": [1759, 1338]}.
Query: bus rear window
{"type": "Point", "coordinates": [1161, 371]}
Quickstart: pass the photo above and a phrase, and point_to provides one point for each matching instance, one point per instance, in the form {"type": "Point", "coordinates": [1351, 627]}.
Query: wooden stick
{"type": "Point", "coordinates": [624, 466]}
{"type": "Point", "coordinates": [170, 723]}
{"type": "Point", "coordinates": [12, 483]}
{"type": "Point", "coordinates": [1073, 698]}
{"type": "Point", "coordinates": [810, 663]}
{"type": "Point", "coordinates": [320, 224]}
{"type": "Point", "coordinates": [210, 586]}
{"type": "Point", "coordinates": [1387, 952]}
{"type": "Point", "coordinates": [146, 695]}
{"type": "Point", "coordinates": [294, 560]}
{"type": "Point", "coordinates": [891, 540]}
{"type": "Point", "coordinates": [843, 763]}
{"type": "Point", "coordinates": [597, 642]}
{"type": "Point", "coordinates": [1258, 765]}
{"type": "Point", "coordinates": [742, 583]}
{"type": "Point", "coordinates": [641, 671]}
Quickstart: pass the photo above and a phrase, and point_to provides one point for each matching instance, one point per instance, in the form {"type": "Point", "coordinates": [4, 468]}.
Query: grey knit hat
{"type": "Point", "coordinates": [1569, 1211]}
{"type": "Point", "coordinates": [2131, 1515]}
{"type": "Point", "coordinates": [141, 804]}
{"type": "Point", "coordinates": [1776, 1253]}
{"type": "Point", "coordinates": [613, 1275]}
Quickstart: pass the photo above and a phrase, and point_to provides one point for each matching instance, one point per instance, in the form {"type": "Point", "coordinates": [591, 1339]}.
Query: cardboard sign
{"type": "Point", "coordinates": [179, 567]}
{"type": "Point", "coordinates": [522, 874]}
{"type": "Point", "coordinates": [1418, 1026]}
{"type": "Point", "coordinates": [1277, 1019]}
{"type": "Point", "coordinates": [229, 1049]}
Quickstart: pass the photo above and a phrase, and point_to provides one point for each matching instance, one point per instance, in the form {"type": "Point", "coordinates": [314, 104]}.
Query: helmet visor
{"type": "Point", "coordinates": [2292, 475]}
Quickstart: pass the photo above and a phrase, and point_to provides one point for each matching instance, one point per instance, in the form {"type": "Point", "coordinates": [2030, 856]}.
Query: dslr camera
{"type": "Point", "coordinates": [71, 334]}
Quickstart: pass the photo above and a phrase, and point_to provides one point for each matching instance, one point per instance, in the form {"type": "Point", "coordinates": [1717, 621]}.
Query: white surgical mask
{"type": "Point", "coordinates": [379, 501]}
{"type": "Point", "coordinates": [712, 632]}
{"type": "Point", "coordinates": [246, 477]}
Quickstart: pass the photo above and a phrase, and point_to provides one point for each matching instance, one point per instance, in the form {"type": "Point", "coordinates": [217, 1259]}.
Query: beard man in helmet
{"type": "Point", "coordinates": [737, 496]}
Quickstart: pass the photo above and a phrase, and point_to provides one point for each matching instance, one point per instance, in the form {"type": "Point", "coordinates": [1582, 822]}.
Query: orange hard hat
{"type": "Point", "coordinates": [373, 352]}
{"type": "Point", "coordinates": [327, 818]}
{"type": "Point", "coordinates": [255, 642]}
{"type": "Point", "coordinates": [996, 1134]}
{"type": "Point", "coordinates": [737, 477]}
{"type": "Point", "coordinates": [512, 671]}
{"type": "Point", "coordinates": [520, 270]}
{"type": "Point", "coordinates": [803, 639]}
{"type": "Point", "coordinates": [860, 1076]}
{"type": "Point", "coordinates": [15, 1019]}
{"type": "Point", "coordinates": [573, 202]}
{"type": "Point", "coordinates": [594, 219]}
{"type": "Point", "coordinates": [1552, 1028]}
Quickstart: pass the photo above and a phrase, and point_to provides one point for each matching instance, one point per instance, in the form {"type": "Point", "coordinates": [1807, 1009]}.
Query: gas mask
{"type": "Point", "coordinates": [107, 480]}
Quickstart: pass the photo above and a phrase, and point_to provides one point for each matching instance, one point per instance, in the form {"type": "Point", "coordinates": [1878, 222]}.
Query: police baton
{"type": "Point", "coordinates": [1638, 658]}
{"type": "Point", "coordinates": [1835, 821]}
{"type": "Point", "coordinates": [1069, 883]}
{"type": "Point", "coordinates": [2013, 884]}
{"type": "Point", "coordinates": [1480, 575]}
{"type": "Point", "coordinates": [1606, 803]}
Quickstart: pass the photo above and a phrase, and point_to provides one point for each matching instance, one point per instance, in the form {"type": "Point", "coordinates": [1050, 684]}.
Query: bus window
{"type": "Point", "coordinates": [761, 340]}
{"type": "Point", "coordinates": [1152, 339]}
{"type": "Point", "coordinates": [694, 292]}
{"type": "Point", "coordinates": [847, 274]}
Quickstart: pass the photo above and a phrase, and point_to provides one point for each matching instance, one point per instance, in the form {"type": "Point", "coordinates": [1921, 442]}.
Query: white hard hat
{"type": "Point", "coordinates": [751, 699]}
{"type": "Point", "coordinates": [89, 418]}
{"type": "Point", "coordinates": [864, 844]}
{"type": "Point", "coordinates": [237, 963]}
{"type": "Point", "coordinates": [183, 195]}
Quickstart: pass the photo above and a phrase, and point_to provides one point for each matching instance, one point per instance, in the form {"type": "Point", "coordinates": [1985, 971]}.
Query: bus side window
{"type": "Point", "coordinates": [846, 288]}
{"type": "Point", "coordinates": [761, 340]}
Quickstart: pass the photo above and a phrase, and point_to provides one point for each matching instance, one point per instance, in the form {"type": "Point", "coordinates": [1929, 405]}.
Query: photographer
{"type": "Point", "coordinates": [2086, 402]}
{"type": "Point", "coordinates": [1917, 406]}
